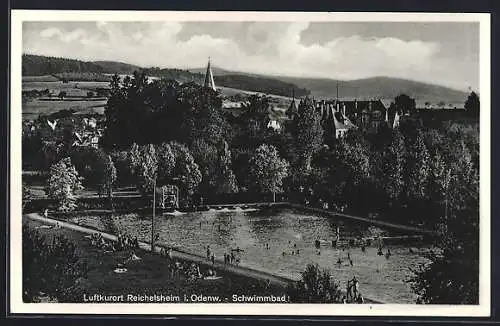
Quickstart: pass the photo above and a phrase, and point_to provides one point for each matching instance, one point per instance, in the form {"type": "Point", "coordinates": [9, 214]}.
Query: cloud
{"type": "Point", "coordinates": [264, 47]}
{"type": "Point", "coordinates": [75, 35]}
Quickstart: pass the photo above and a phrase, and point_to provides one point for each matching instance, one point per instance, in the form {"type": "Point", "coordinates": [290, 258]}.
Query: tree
{"type": "Point", "coordinates": [267, 169]}
{"type": "Point", "coordinates": [134, 159]}
{"type": "Point", "coordinates": [438, 180]}
{"type": "Point", "coordinates": [452, 276]}
{"type": "Point", "coordinates": [355, 156]}
{"type": "Point", "coordinates": [124, 173]}
{"type": "Point", "coordinates": [225, 178]}
{"type": "Point", "coordinates": [352, 172]}
{"type": "Point", "coordinates": [405, 104]}
{"type": "Point", "coordinates": [108, 177]}
{"type": "Point", "coordinates": [205, 155]}
{"type": "Point", "coordinates": [436, 177]}
{"type": "Point", "coordinates": [166, 163]}
{"type": "Point", "coordinates": [147, 169]}
{"type": "Point", "coordinates": [215, 166]}
{"type": "Point", "coordinates": [418, 169]}
{"type": "Point", "coordinates": [62, 94]}
{"type": "Point", "coordinates": [316, 286]}
{"type": "Point", "coordinates": [208, 122]}
{"type": "Point", "coordinates": [127, 111]}
{"type": "Point", "coordinates": [186, 171]}
{"type": "Point", "coordinates": [394, 164]}
{"type": "Point", "coordinates": [51, 268]}
{"type": "Point", "coordinates": [161, 111]}
{"type": "Point", "coordinates": [26, 196]}
{"type": "Point", "coordinates": [307, 132]}
{"type": "Point", "coordinates": [253, 122]}
{"type": "Point", "coordinates": [90, 163]}
{"type": "Point", "coordinates": [472, 105]}
{"type": "Point", "coordinates": [62, 184]}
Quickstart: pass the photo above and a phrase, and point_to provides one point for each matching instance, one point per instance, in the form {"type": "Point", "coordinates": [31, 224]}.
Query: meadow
{"type": "Point", "coordinates": [44, 78]}
{"type": "Point", "coordinates": [75, 100]}
{"type": "Point", "coordinates": [32, 109]}
{"type": "Point", "coordinates": [72, 88]}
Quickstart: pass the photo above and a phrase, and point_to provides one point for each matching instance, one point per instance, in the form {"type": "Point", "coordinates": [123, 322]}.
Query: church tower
{"type": "Point", "coordinates": [209, 78]}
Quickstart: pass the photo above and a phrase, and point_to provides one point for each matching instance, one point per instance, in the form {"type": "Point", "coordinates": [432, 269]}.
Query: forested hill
{"type": "Point", "coordinates": [36, 65]}
{"type": "Point", "coordinates": [364, 88]}
{"type": "Point", "coordinates": [70, 69]}
{"type": "Point", "coordinates": [379, 87]}
{"type": "Point", "coordinates": [260, 84]}
{"type": "Point", "coordinates": [113, 67]}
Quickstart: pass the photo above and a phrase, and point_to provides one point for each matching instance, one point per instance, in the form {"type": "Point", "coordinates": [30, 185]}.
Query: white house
{"type": "Point", "coordinates": [274, 124]}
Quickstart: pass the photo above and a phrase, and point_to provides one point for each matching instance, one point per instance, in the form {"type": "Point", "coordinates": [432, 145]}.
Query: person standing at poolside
{"type": "Point", "coordinates": [355, 285]}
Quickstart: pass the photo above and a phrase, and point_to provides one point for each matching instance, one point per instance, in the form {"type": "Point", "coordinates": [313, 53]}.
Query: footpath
{"type": "Point", "coordinates": [181, 254]}
{"type": "Point", "coordinates": [365, 220]}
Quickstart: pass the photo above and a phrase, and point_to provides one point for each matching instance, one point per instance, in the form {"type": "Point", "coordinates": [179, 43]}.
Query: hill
{"type": "Point", "coordinates": [365, 88]}
{"type": "Point", "coordinates": [113, 67]}
{"type": "Point", "coordinates": [379, 87]}
{"type": "Point", "coordinates": [77, 70]}
{"type": "Point", "coordinates": [375, 87]}
{"type": "Point", "coordinates": [37, 65]}
{"type": "Point", "coordinates": [260, 84]}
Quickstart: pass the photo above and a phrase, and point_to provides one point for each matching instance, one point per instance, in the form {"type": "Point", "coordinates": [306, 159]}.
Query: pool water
{"type": "Point", "coordinates": [380, 278]}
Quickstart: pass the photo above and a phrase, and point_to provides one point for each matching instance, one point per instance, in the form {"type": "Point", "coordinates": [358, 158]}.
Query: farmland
{"type": "Point", "coordinates": [34, 108]}
{"type": "Point", "coordinates": [77, 99]}
{"type": "Point", "coordinates": [73, 88]}
{"type": "Point", "coordinates": [79, 96]}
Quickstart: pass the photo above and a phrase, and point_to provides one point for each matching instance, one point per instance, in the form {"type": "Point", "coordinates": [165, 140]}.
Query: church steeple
{"type": "Point", "coordinates": [209, 77]}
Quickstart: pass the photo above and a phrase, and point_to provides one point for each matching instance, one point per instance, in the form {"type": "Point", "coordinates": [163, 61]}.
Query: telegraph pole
{"type": "Point", "coordinates": [153, 218]}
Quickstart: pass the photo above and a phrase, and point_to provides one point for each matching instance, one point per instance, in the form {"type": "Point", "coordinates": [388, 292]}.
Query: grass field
{"type": "Point", "coordinates": [71, 88]}
{"type": "Point", "coordinates": [45, 78]}
{"type": "Point", "coordinates": [151, 275]}
{"type": "Point", "coordinates": [43, 106]}
{"type": "Point", "coordinates": [32, 109]}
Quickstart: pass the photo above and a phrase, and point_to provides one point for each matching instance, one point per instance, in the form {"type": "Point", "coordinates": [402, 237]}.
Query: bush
{"type": "Point", "coordinates": [53, 270]}
{"type": "Point", "coordinates": [316, 286]}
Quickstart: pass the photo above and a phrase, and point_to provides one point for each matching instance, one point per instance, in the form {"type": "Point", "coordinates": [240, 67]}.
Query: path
{"type": "Point", "coordinates": [366, 220]}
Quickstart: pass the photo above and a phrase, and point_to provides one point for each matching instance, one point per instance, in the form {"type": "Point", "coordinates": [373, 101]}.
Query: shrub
{"type": "Point", "coordinates": [316, 286]}
{"type": "Point", "coordinates": [52, 269]}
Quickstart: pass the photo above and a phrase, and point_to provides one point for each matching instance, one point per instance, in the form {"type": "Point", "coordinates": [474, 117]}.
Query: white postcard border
{"type": "Point", "coordinates": [16, 304]}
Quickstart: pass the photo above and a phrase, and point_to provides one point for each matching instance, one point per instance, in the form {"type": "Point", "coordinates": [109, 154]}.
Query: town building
{"type": "Point", "coordinates": [274, 124]}
{"type": "Point", "coordinates": [346, 115]}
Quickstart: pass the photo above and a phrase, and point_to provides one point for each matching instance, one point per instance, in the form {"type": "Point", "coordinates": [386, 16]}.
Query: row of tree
{"type": "Point", "coordinates": [402, 167]}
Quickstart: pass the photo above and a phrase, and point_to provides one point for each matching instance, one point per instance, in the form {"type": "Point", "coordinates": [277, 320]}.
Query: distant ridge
{"type": "Point", "coordinates": [366, 88]}
{"type": "Point", "coordinates": [117, 67]}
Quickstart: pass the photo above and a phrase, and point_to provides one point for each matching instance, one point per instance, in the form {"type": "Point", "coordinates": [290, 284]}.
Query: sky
{"type": "Point", "coordinates": [444, 53]}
